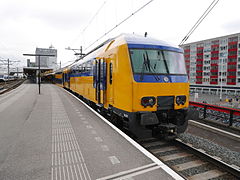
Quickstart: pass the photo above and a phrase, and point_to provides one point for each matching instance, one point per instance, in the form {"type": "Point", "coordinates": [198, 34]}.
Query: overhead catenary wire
{"type": "Point", "coordinates": [120, 23]}
{"type": "Point", "coordinates": [203, 16]}
{"type": "Point", "coordinates": [89, 23]}
{"type": "Point", "coordinates": [95, 15]}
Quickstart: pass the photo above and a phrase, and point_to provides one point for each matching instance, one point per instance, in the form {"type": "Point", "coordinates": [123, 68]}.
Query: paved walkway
{"type": "Point", "coordinates": [54, 136]}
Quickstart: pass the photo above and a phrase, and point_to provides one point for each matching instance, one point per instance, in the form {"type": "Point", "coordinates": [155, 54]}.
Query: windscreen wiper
{"type": "Point", "coordinates": [144, 65]}
{"type": "Point", "coordinates": [165, 62]}
{"type": "Point", "coordinates": [147, 65]}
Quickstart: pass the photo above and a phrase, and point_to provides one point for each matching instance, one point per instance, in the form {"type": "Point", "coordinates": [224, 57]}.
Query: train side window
{"type": "Point", "coordinates": [110, 73]}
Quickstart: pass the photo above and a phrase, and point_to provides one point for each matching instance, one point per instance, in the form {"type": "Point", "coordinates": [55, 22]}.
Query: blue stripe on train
{"type": "Point", "coordinates": [160, 78]}
{"type": "Point", "coordinates": [82, 74]}
{"type": "Point", "coordinates": [148, 78]}
{"type": "Point", "coordinates": [149, 46]}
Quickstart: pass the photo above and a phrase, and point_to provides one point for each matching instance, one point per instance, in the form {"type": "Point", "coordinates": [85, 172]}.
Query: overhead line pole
{"type": "Point", "coordinates": [8, 64]}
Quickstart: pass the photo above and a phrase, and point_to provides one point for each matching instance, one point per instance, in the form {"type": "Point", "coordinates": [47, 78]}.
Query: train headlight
{"type": "Point", "coordinates": [148, 101]}
{"type": "Point", "coordinates": [180, 100]}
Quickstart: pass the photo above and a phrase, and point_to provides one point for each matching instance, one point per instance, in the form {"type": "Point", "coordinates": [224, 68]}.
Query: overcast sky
{"type": "Point", "coordinates": [27, 24]}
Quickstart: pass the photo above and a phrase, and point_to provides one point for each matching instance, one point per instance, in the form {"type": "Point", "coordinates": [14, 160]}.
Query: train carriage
{"type": "Point", "coordinates": [58, 78]}
{"type": "Point", "coordinates": [139, 81]}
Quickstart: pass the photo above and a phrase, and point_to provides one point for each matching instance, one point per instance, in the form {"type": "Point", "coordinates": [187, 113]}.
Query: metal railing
{"type": "Point", "coordinates": [224, 115]}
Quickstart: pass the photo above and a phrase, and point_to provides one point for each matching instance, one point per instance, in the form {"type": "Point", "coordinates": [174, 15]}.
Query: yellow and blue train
{"type": "Point", "coordinates": [139, 82]}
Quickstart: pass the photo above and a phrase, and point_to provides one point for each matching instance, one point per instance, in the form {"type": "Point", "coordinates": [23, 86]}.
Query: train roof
{"type": "Point", "coordinates": [133, 41]}
{"type": "Point", "coordinates": [137, 41]}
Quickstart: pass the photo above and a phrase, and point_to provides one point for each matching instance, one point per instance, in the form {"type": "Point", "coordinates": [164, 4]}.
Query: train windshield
{"type": "Point", "coordinates": [155, 61]}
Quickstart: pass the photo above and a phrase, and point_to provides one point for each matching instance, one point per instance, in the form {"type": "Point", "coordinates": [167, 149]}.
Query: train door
{"type": "Point", "coordinates": [68, 79]}
{"type": "Point", "coordinates": [110, 81]}
{"type": "Point", "coordinates": [100, 80]}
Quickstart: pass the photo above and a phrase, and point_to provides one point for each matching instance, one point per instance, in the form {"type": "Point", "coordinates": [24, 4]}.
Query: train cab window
{"type": "Point", "coordinates": [156, 61]}
{"type": "Point", "coordinates": [110, 73]}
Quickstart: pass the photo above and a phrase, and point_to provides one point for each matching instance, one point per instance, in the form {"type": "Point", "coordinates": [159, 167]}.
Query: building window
{"type": "Point", "coordinates": [214, 67]}
{"type": "Point", "coordinates": [232, 60]}
{"type": "Point", "coordinates": [216, 42]}
{"type": "Point", "coordinates": [214, 55]}
{"type": "Point", "coordinates": [214, 73]}
{"type": "Point", "coordinates": [231, 80]}
{"type": "Point", "coordinates": [215, 48]}
{"type": "Point", "coordinates": [233, 39]}
{"type": "Point", "coordinates": [223, 54]}
{"type": "Point", "coordinates": [214, 61]}
{"type": "Point", "coordinates": [231, 73]}
{"type": "Point", "coordinates": [232, 46]}
{"type": "Point", "coordinates": [232, 53]}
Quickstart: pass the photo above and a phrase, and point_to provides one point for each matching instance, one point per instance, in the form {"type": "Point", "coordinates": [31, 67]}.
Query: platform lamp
{"type": "Point", "coordinates": [38, 55]}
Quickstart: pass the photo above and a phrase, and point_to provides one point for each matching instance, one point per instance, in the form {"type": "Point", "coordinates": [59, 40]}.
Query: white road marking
{"type": "Point", "coordinates": [138, 173]}
{"type": "Point", "coordinates": [75, 171]}
{"type": "Point", "coordinates": [75, 157]}
{"type": "Point", "coordinates": [62, 157]}
{"type": "Point", "coordinates": [98, 139]}
{"type": "Point", "coordinates": [104, 148]}
{"type": "Point", "coordinates": [65, 157]}
{"type": "Point", "coordinates": [68, 173]}
{"type": "Point", "coordinates": [89, 126]}
{"type": "Point", "coordinates": [56, 173]}
{"type": "Point", "coordinates": [52, 173]}
{"type": "Point", "coordinates": [72, 157]}
{"type": "Point", "coordinates": [79, 171]}
{"type": "Point", "coordinates": [114, 160]}
{"type": "Point", "coordinates": [130, 171]}
{"type": "Point", "coordinates": [83, 172]}
{"type": "Point", "coordinates": [66, 152]}
{"type": "Point", "coordinates": [63, 172]}
{"type": "Point", "coordinates": [52, 147]}
{"type": "Point", "coordinates": [135, 144]}
{"type": "Point", "coordinates": [69, 159]}
{"type": "Point", "coordinates": [60, 174]}
{"type": "Point", "coordinates": [52, 160]}
{"type": "Point", "coordinates": [71, 171]}
{"type": "Point", "coordinates": [87, 171]}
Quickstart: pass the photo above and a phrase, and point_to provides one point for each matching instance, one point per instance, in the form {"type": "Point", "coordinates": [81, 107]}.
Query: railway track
{"type": "Point", "coordinates": [9, 85]}
{"type": "Point", "coordinates": [189, 162]}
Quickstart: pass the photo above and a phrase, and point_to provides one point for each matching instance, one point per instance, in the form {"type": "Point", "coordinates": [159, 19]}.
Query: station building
{"type": "Point", "coordinates": [47, 64]}
{"type": "Point", "coordinates": [213, 65]}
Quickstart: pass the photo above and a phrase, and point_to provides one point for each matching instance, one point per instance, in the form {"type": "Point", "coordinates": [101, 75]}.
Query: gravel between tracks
{"type": "Point", "coordinates": [228, 156]}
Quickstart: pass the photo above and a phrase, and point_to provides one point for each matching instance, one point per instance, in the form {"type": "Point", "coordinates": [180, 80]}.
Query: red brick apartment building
{"type": "Point", "coordinates": [214, 64]}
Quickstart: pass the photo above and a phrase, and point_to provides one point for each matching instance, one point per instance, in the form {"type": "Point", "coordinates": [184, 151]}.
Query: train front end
{"type": "Point", "coordinates": [160, 87]}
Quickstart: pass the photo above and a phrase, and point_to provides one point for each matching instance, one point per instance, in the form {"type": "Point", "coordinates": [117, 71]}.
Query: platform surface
{"type": "Point", "coordinates": [54, 136]}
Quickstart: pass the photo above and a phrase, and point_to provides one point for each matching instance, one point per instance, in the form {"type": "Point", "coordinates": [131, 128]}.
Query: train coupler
{"type": "Point", "coordinates": [168, 131]}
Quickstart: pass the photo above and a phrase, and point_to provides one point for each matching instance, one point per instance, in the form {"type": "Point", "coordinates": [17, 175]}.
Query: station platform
{"type": "Point", "coordinates": [55, 136]}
